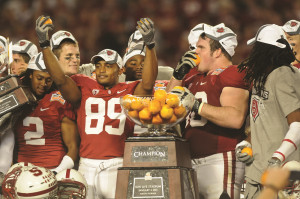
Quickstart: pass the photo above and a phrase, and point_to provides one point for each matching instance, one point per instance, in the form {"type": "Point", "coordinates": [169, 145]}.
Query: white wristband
{"type": "Point", "coordinates": [66, 163]}
{"type": "Point", "coordinates": [290, 142]}
{"type": "Point", "coordinates": [200, 108]}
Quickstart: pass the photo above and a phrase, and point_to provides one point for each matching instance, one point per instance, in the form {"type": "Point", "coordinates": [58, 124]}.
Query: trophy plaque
{"type": "Point", "coordinates": [13, 95]}
{"type": "Point", "coordinates": [156, 164]}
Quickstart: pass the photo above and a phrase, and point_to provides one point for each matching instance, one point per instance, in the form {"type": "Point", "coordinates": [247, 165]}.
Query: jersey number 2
{"type": "Point", "coordinates": [34, 137]}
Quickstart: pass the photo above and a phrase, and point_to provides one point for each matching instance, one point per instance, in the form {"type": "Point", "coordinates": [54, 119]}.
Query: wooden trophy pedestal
{"type": "Point", "coordinates": [13, 95]}
{"type": "Point", "coordinates": [156, 167]}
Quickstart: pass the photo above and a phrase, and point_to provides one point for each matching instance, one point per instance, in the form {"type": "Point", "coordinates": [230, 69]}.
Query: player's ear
{"type": "Point", "coordinates": [217, 52]}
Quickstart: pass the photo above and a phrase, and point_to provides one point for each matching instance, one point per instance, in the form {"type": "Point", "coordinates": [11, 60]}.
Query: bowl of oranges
{"type": "Point", "coordinates": [157, 112]}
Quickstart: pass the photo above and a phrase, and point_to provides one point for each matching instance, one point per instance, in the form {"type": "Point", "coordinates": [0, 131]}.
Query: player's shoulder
{"type": "Point", "coordinates": [54, 98]}
{"type": "Point", "coordinates": [232, 77]}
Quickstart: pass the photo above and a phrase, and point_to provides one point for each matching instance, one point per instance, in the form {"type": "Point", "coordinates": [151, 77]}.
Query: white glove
{"type": "Point", "coordinates": [243, 157]}
{"type": "Point", "coordinates": [186, 98]}
{"type": "Point", "coordinates": [146, 28]}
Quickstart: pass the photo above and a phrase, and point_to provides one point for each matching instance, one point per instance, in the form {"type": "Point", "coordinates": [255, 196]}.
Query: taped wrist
{"type": "Point", "coordinates": [66, 163]}
{"type": "Point", "coordinates": [45, 44]}
{"type": "Point", "coordinates": [290, 143]}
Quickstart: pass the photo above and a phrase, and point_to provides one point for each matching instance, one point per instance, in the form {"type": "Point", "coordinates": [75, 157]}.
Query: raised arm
{"type": "Point", "coordinates": [150, 69]}
{"type": "Point", "coordinates": [65, 84]}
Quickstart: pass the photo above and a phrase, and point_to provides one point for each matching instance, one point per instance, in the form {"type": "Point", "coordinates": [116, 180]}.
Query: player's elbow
{"type": "Point", "coordinates": [238, 122]}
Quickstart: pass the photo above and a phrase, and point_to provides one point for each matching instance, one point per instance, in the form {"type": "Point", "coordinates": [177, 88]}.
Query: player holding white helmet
{"type": "Point", "coordinates": [71, 185]}
{"type": "Point", "coordinates": [101, 123]}
{"type": "Point", "coordinates": [29, 182]}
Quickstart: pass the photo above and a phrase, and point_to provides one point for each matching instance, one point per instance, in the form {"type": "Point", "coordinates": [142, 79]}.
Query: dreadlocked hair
{"type": "Point", "coordinates": [263, 59]}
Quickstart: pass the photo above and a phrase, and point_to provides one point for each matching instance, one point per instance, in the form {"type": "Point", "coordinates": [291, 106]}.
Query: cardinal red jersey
{"type": "Point", "coordinates": [102, 124]}
{"type": "Point", "coordinates": [189, 75]}
{"type": "Point", "coordinates": [38, 134]}
{"type": "Point", "coordinates": [297, 65]}
{"type": "Point", "coordinates": [205, 137]}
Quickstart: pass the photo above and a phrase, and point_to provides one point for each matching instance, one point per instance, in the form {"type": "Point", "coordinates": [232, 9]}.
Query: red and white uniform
{"type": "Point", "coordinates": [297, 65]}
{"type": "Point", "coordinates": [101, 123]}
{"type": "Point", "coordinates": [103, 128]}
{"type": "Point", "coordinates": [205, 137]}
{"type": "Point", "coordinates": [212, 146]}
{"type": "Point", "coordinates": [38, 134]}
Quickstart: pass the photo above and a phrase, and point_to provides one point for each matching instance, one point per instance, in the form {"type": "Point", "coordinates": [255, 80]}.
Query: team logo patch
{"type": "Point", "coordinates": [95, 91]}
{"type": "Point", "coordinates": [254, 108]}
{"type": "Point", "coordinates": [109, 52]}
{"type": "Point", "coordinates": [22, 43]}
{"type": "Point", "coordinates": [220, 30]}
{"type": "Point", "coordinates": [67, 34]}
{"type": "Point", "coordinates": [293, 23]}
{"type": "Point", "coordinates": [57, 97]}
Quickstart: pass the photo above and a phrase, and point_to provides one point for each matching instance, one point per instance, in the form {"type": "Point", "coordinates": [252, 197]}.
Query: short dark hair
{"type": "Point", "coordinates": [214, 45]}
{"type": "Point", "coordinates": [57, 51]}
{"type": "Point", "coordinates": [25, 56]}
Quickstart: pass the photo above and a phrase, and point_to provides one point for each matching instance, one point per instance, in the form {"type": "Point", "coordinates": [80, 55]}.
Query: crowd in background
{"type": "Point", "coordinates": [99, 24]}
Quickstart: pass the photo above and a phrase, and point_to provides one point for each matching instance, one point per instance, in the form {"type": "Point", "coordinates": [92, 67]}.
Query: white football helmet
{"type": "Point", "coordinates": [71, 184]}
{"type": "Point", "coordinates": [292, 191]}
{"type": "Point", "coordinates": [24, 182]}
{"type": "Point", "coordinates": [20, 164]}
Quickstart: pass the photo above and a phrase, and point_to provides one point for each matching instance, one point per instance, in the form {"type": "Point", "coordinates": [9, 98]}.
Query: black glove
{"type": "Point", "coordinates": [42, 27]}
{"type": "Point", "coordinates": [146, 28]}
{"type": "Point", "coordinates": [188, 60]}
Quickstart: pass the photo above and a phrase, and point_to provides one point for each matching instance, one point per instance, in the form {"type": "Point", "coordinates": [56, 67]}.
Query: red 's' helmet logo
{"type": "Point", "coordinates": [220, 30]}
{"type": "Point", "coordinates": [109, 52]}
{"type": "Point", "coordinates": [293, 23]}
{"type": "Point", "coordinates": [22, 43]}
{"type": "Point", "coordinates": [68, 34]}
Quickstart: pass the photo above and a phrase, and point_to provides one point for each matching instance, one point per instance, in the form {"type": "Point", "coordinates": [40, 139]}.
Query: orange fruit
{"type": "Point", "coordinates": [154, 106]}
{"type": "Point", "coordinates": [145, 102]}
{"type": "Point", "coordinates": [156, 119]}
{"type": "Point", "coordinates": [264, 177]}
{"type": "Point", "coordinates": [247, 150]}
{"type": "Point", "coordinates": [126, 101]}
{"type": "Point", "coordinates": [166, 112]}
{"type": "Point", "coordinates": [145, 114]}
{"type": "Point", "coordinates": [137, 104]}
{"type": "Point", "coordinates": [197, 60]}
{"type": "Point", "coordinates": [160, 95]}
{"type": "Point", "coordinates": [133, 114]}
{"type": "Point", "coordinates": [173, 119]}
{"type": "Point", "coordinates": [172, 100]}
{"type": "Point", "coordinates": [179, 87]}
{"type": "Point", "coordinates": [49, 21]}
{"type": "Point", "coordinates": [179, 111]}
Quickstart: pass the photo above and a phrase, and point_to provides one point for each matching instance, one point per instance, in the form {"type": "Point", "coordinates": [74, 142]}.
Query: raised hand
{"type": "Point", "coordinates": [146, 28]}
{"type": "Point", "coordinates": [42, 27]}
{"type": "Point", "coordinates": [189, 60]}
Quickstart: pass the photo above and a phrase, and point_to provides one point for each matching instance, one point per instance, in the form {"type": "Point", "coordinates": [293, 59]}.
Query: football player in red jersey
{"type": "Point", "coordinates": [101, 123]}
{"type": "Point", "coordinates": [187, 66]}
{"type": "Point", "coordinates": [46, 135]}
{"type": "Point", "coordinates": [217, 123]}
{"type": "Point", "coordinates": [292, 29]}
{"type": "Point", "coordinates": [66, 49]}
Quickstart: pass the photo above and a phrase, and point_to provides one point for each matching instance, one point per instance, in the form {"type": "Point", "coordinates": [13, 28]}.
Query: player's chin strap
{"type": "Point", "coordinates": [66, 163]}
{"type": "Point", "coordinates": [289, 143]}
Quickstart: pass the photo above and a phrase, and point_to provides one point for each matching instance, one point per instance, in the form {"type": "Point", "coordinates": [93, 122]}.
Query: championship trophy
{"type": "Point", "coordinates": [13, 94]}
{"type": "Point", "coordinates": [157, 163]}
